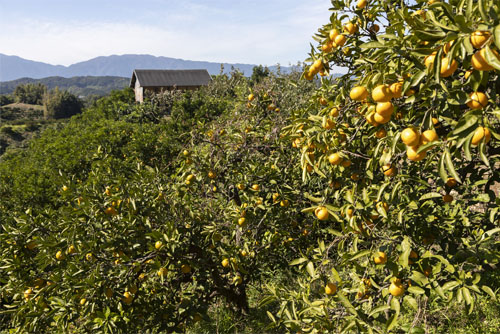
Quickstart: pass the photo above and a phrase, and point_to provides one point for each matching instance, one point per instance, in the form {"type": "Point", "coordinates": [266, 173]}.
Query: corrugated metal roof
{"type": "Point", "coordinates": [168, 78]}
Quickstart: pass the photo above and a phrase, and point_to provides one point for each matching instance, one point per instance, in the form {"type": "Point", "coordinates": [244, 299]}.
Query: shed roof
{"type": "Point", "coordinates": [169, 78]}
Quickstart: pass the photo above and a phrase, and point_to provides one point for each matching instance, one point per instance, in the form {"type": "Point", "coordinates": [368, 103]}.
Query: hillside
{"type": "Point", "coordinates": [14, 67]}
{"type": "Point", "coordinates": [81, 85]}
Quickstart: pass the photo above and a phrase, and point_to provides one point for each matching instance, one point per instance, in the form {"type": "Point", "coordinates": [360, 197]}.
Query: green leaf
{"type": "Point", "coordinates": [489, 291]}
{"type": "Point", "coordinates": [448, 286]}
{"type": "Point", "coordinates": [491, 58]}
{"type": "Point", "coordinates": [378, 310]}
{"type": "Point", "coordinates": [298, 261]}
{"type": "Point", "coordinates": [482, 153]}
{"type": "Point", "coordinates": [467, 295]}
{"type": "Point", "coordinates": [411, 301]}
{"type": "Point", "coordinates": [371, 45]}
{"type": "Point", "coordinates": [496, 36]}
{"type": "Point", "coordinates": [346, 303]}
{"type": "Point", "coordinates": [482, 11]}
{"type": "Point", "coordinates": [449, 165]}
{"type": "Point", "coordinates": [360, 254]}
{"type": "Point", "coordinates": [442, 170]}
{"type": "Point", "coordinates": [310, 269]}
{"type": "Point", "coordinates": [395, 305]}
{"type": "Point", "coordinates": [430, 195]}
{"type": "Point", "coordinates": [416, 290]}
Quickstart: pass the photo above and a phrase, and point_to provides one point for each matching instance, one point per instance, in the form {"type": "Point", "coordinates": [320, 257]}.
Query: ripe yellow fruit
{"type": "Point", "coordinates": [447, 198]}
{"type": "Point", "coordinates": [381, 93]}
{"type": "Point", "coordinates": [370, 119]}
{"type": "Point", "coordinates": [333, 33]}
{"type": "Point", "coordinates": [447, 69]}
{"type": "Point", "coordinates": [60, 256]}
{"type": "Point", "coordinates": [358, 93]}
{"type": "Point", "coordinates": [284, 203]}
{"type": "Point", "coordinates": [428, 136]}
{"type": "Point", "coordinates": [327, 47]}
{"type": "Point", "coordinates": [89, 257]}
{"type": "Point", "coordinates": [328, 124]}
{"type": "Point", "coordinates": [381, 119]}
{"type": "Point", "coordinates": [396, 89]}
{"type": "Point", "coordinates": [429, 60]}
{"type": "Point", "coordinates": [240, 186]}
{"type": "Point", "coordinates": [351, 28]}
{"type": "Point", "coordinates": [361, 4]}
{"type": "Point", "coordinates": [380, 258]}
{"type": "Point", "coordinates": [162, 272]}
{"type": "Point", "coordinates": [451, 182]}
{"type": "Point", "coordinates": [396, 289]}
{"type": "Point", "coordinates": [127, 298]}
{"type": "Point", "coordinates": [478, 38]}
{"type": "Point", "coordinates": [385, 109]}
{"type": "Point", "coordinates": [479, 62]}
{"type": "Point", "coordinates": [256, 187]}
{"type": "Point", "coordinates": [321, 213]}
{"type": "Point", "coordinates": [158, 244]}
{"type": "Point", "coordinates": [251, 97]}
{"type": "Point", "coordinates": [83, 301]}
{"type": "Point", "coordinates": [479, 134]}
{"type": "Point", "coordinates": [185, 268]}
{"type": "Point", "coordinates": [381, 133]}
{"type": "Point", "coordinates": [340, 40]}
{"type": "Point", "coordinates": [185, 153]}
{"type": "Point", "coordinates": [71, 249]}
{"type": "Point", "coordinates": [65, 188]}
{"type": "Point", "coordinates": [447, 47]}
{"type": "Point", "coordinates": [237, 280]}
{"type": "Point", "coordinates": [330, 288]}
{"type": "Point", "coordinates": [334, 112]}
{"type": "Point", "coordinates": [478, 100]}
{"type": "Point", "coordinates": [212, 175]}
{"type": "Point", "coordinates": [27, 293]}
{"type": "Point", "coordinates": [335, 159]}
{"type": "Point", "coordinates": [411, 153]}
{"type": "Point", "coordinates": [389, 170]}
{"type": "Point", "coordinates": [410, 136]}
{"type": "Point", "coordinates": [225, 262]}
{"type": "Point", "coordinates": [241, 221]}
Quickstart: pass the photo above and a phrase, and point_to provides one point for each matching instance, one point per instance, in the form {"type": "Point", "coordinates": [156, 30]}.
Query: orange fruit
{"type": "Point", "coordinates": [396, 89]}
{"type": "Point", "coordinates": [385, 109]}
{"type": "Point", "coordinates": [251, 97]}
{"type": "Point", "coordinates": [328, 124]}
{"type": "Point", "coordinates": [358, 93]}
{"type": "Point", "coordinates": [361, 4]}
{"type": "Point", "coordinates": [330, 288]}
{"type": "Point", "coordinates": [381, 119]}
{"type": "Point", "coordinates": [333, 33]}
{"type": "Point", "coordinates": [321, 213]}
{"type": "Point", "coordinates": [380, 258]}
{"type": "Point", "coordinates": [429, 60]}
{"type": "Point", "coordinates": [410, 136]}
{"type": "Point", "coordinates": [335, 159]}
{"type": "Point", "coordinates": [327, 47]}
{"type": "Point", "coordinates": [389, 170]}
{"type": "Point", "coordinates": [340, 40]}
{"type": "Point", "coordinates": [346, 163]}
{"type": "Point", "coordinates": [479, 62]}
{"type": "Point", "coordinates": [446, 68]}
{"type": "Point", "coordinates": [396, 289]}
{"type": "Point", "coordinates": [428, 136]}
{"type": "Point", "coordinates": [370, 118]}
{"type": "Point", "coordinates": [381, 93]}
{"type": "Point", "coordinates": [478, 100]}
{"type": "Point", "coordinates": [334, 112]}
{"type": "Point", "coordinates": [479, 37]}
{"type": "Point", "coordinates": [411, 153]}
{"type": "Point", "coordinates": [351, 28]}
{"type": "Point", "coordinates": [479, 134]}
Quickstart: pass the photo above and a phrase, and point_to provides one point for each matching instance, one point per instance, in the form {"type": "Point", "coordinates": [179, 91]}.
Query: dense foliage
{"type": "Point", "coordinates": [61, 104]}
{"type": "Point", "coordinates": [366, 203]}
{"type": "Point", "coordinates": [30, 93]}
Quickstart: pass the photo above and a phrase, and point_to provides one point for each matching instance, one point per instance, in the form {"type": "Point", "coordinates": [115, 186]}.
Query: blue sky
{"type": "Point", "coordinates": [252, 31]}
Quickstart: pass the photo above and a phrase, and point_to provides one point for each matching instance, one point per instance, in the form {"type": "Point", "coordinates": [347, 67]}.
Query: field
{"type": "Point", "coordinates": [280, 203]}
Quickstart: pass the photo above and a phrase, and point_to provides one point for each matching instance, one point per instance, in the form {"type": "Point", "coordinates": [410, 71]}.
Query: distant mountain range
{"type": "Point", "coordinates": [14, 67]}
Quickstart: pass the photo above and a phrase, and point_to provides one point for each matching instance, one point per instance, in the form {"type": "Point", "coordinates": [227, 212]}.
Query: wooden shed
{"type": "Point", "coordinates": [157, 81]}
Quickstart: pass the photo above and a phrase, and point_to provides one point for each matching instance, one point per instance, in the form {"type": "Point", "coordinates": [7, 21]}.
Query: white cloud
{"type": "Point", "coordinates": [199, 33]}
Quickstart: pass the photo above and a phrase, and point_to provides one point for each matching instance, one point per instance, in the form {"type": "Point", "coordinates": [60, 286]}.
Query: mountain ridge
{"type": "Point", "coordinates": [15, 67]}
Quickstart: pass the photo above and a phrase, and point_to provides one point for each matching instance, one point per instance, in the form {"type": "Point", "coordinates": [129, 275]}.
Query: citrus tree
{"type": "Point", "coordinates": [400, 157]}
